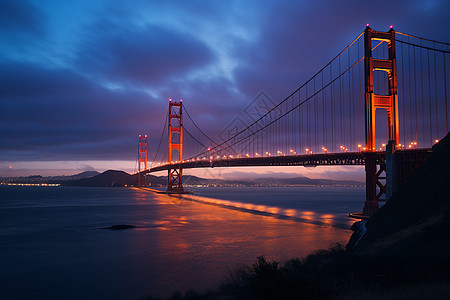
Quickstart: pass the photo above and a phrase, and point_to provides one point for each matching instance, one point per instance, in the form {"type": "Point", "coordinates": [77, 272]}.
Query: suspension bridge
{"type": "Point", "coordinates": [381, 102]}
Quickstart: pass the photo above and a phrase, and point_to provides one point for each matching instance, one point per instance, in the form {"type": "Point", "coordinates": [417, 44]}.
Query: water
{"type": "Point", "coordinates": [52, 245]}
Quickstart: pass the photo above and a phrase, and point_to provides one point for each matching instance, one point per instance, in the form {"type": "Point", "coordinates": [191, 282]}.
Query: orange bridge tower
{"type": "Point", "coordinates": [142, 160]}
{"type": "Point", "coordinates": [388, 100]}
{"type": "Point", "coordinates": [175, 176]}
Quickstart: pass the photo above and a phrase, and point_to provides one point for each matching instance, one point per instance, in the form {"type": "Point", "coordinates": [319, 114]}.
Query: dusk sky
{"type": "Point", "coordinates": [80, 80]}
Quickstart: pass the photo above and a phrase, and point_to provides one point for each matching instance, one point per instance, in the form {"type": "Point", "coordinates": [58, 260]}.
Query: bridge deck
{"type": "Point", "coordinates": [323, 159]}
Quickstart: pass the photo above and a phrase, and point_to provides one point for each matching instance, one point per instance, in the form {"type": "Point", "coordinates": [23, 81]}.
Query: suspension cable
{"type": "Point", "coordinates": [421, 46]}
{"type": "Point", "coordinates": [421, 38]}
{"type": "Point", "coordinates": [304, 84]}
{"type": "Point", "coordinates": [298, 105]}
{"type": "Point", "coordinates": [187, 131]}
{"type": "Point", "coordinates": [160, 140]}
{"type": "Point", "coordinates": [185, 109]}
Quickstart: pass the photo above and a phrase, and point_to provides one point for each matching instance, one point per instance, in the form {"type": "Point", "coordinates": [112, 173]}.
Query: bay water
{"type": "Point", "coordinates": [54, 245]}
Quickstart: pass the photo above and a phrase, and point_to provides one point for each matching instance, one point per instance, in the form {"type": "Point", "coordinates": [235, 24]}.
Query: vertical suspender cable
{"type": "Point", "coordinates": [445, 94]}
{"type": "Point", "coordinates": [422, 100]}
{"type": "Point", "coordinates": [341, 100]}
{"type": "Point", "coordinates": [415, 90]}
{"type": "Point", "coordinates": [361, 100]}
{"type": "Point", "coordinates": [403, 98]}
{"type": "Point", "coordinates": [436, 92]}
{"type": "Point", "coordinates": [410, 94]}
{"type": "Point", "coordinates": [429, 94]}
{"type": "Point", "coordinates": [315, 116]}
{"type": "Point", "coordinates": [332, 110]}
{"type": "Point", "coordinates": [324, 128]}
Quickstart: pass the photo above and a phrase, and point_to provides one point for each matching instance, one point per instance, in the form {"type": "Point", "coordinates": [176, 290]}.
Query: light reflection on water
{"type": "Point", "coordinates": [179, 243]}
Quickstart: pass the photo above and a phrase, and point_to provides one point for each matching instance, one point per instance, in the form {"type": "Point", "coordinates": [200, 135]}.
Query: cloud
{"type": "Point", "coordinates": [81, 81]}
{"type": "Point", "coordinates": [57, 113]}
{"type": "Point", "coordinates": [147, 56]}
{"type": "Point", "coordinates": [20, 17]}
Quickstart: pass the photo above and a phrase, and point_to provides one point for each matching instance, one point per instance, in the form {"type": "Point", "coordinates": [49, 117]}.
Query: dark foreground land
{"type": "Point", "coordinates": [404, 254]}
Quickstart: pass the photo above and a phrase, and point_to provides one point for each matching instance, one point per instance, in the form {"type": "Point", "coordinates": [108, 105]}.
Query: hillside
{"type": "Point", "coordinates": [415, 222]}
{"type": "Point", "coordinates": [107, 178]}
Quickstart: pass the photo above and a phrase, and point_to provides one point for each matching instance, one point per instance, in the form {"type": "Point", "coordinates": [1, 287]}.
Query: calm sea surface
{"type": "Point", "coordinates": [53, 245]}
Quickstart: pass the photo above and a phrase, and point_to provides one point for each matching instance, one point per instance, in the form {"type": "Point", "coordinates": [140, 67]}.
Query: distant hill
{"type": "Point", "coordinates": [49, 179]}
{"type": "Point", "coordinates": [107, 178]}
{"type": "Point", "coordinates": [120, 178]}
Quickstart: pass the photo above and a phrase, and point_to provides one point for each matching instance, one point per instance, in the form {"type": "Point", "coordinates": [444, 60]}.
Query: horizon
{"type": "Point", "coordinates": [351, 174]}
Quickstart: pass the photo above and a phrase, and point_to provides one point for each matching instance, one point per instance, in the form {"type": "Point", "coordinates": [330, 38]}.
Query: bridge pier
{"type": "Point", "coordinates": [385, 177]}
{"type": "Point", "coordinates": [375, 183]}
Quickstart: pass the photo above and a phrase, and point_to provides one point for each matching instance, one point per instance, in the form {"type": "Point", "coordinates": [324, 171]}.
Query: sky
{"type": "Point", "coordinates": [80, 80]}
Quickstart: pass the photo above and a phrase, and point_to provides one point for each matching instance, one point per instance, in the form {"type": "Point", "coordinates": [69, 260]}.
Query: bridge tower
{"type": "Point", "coordinates": [376, 170]}
{"type": "Point", "coordinates": [175, 176]}
{"type": "Point", "coordinates": [142, 160]}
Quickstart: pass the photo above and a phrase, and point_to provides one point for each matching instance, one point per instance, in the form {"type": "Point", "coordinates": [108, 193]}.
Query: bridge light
{"type": "Point", "coordinates": [256, 154]}
{"type": "Point", "coordinates": [392, 26]}
{"type": "Point", "coordinates": [367, 24]}
{"type": "Point", "coordinates": [170, 99]}
{"type": "Point", "coordinates": [436, 141]}
{"type": "Point", "coordinates": [246, 154]}
{"type": "Point", "coordinates": [209, 149]}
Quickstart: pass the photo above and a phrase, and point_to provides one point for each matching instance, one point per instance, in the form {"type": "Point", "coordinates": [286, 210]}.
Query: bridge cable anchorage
{"type": "Point", "coordinates": [295, 107]}
{"type": "Point", "coordinates": [293, 93]}
{"type": "Point", "coordinates": [161, 139]}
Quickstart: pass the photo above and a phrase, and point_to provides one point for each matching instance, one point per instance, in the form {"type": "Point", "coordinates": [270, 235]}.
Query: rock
{"type": "Point", "coordinates": [121, 226]}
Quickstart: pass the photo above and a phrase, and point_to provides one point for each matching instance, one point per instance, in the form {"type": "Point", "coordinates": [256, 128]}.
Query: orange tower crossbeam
{"type": "Point", "coordinates": [375, 170]}
{"type": "Point", "coordinates": [142, 160]}
{"type": "Point", "coordinates": [175, 176]}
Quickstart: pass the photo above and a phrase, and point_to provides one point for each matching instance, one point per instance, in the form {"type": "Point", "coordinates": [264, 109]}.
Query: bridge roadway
{"type": "Point", "coordinates": [307, 160]}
